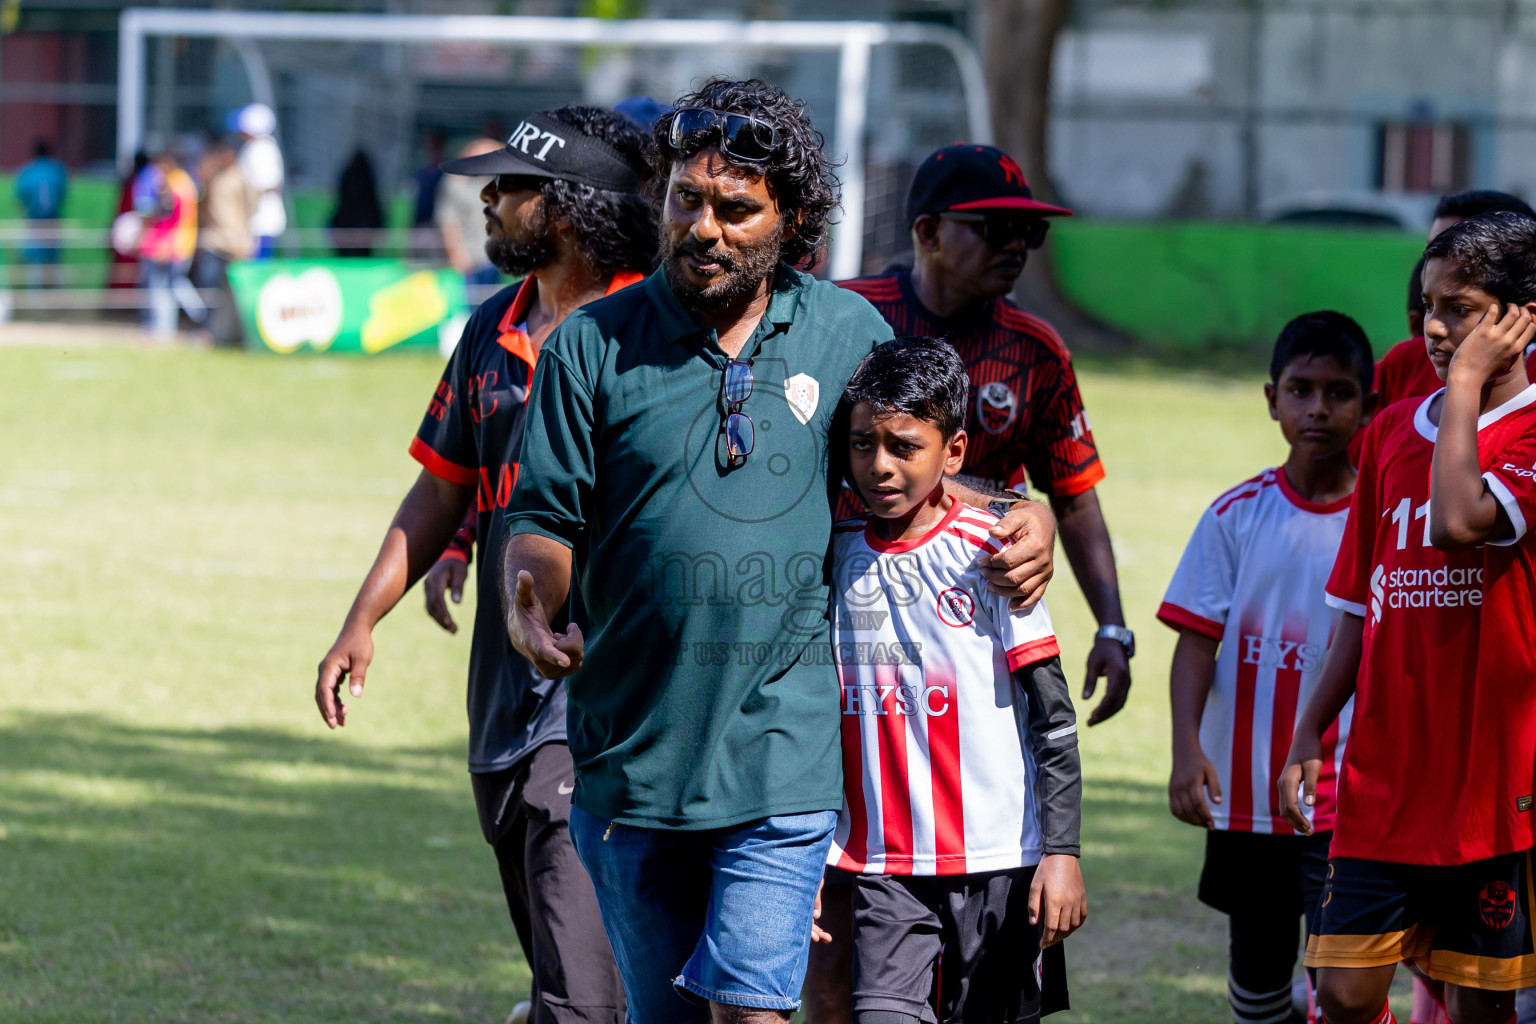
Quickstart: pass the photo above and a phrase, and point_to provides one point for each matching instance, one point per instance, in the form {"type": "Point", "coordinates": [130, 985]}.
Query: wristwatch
{"type": "Point", "coordinates": [1120, 635]}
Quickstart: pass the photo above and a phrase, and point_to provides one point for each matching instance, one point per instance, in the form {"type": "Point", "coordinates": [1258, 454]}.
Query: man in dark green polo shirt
{"type": "Point", "coordinates": [677, 442]}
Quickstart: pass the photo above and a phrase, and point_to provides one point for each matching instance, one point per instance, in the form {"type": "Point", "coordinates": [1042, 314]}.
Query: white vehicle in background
{"type": "Point", "coordinates": [1364, 210]}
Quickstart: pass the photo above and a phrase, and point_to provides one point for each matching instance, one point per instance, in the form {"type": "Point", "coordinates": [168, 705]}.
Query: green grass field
{"type": "Point", "coordinates": [180, 837]}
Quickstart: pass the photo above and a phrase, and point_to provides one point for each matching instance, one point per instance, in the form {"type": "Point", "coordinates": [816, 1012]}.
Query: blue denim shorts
{"type": "Point", "coordinates": [716, 916]}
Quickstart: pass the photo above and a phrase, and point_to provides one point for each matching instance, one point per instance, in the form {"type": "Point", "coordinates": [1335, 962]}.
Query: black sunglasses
{"type": "Point", "coordinates": [742, 136]}
{"type": "Point", "coordinates": [736, 388]}
{"type": "Point", "coordinates": [508, 183]}
{"type": "Point", "coordinates": [998, 229]}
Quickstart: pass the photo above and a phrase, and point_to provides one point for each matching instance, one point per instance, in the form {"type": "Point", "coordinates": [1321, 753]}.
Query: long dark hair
{"type": "Point", "coordinates": [799, 174]}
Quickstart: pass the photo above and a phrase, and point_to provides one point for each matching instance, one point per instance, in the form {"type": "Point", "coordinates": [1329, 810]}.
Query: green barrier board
{"type": "Point", "coordinates": [355, 306]}
{"type": "Point", "coordinates": [1193, 286]}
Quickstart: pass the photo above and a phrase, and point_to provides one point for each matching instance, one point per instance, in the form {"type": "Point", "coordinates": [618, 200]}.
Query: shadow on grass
{"type": "Point", "coordinates": [242, 875]}
{"type": "Point", "coordinates": [1150, 951]}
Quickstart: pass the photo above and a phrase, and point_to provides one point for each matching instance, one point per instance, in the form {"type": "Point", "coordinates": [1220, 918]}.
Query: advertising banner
{"type": "Point", "coordinates": [353, 306]}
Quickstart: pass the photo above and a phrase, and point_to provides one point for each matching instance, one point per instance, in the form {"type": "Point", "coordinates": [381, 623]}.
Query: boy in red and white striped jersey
{"type": "Point", "coordinates": [1247, 600]}
{"type": "Point", "coordinates": [961, 778]}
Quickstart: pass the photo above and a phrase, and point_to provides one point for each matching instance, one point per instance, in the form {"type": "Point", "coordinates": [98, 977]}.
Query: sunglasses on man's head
{"type": "Point", "coordinates": [742, 136]}
{"type": "Point", "coordinates": [999, 229]}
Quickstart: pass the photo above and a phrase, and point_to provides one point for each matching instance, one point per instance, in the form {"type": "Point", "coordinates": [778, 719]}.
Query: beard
{"type": "Point", "coordinates": [518, 257]}
{"type": "Point", "coordinates": [740, 271]}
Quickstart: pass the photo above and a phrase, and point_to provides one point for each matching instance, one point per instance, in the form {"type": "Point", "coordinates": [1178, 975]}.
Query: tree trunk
{"type": "Point", "coordinates": [1019, 45]}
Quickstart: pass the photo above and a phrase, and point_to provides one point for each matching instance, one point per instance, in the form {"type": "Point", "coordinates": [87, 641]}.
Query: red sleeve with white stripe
{"type": "Point", "coordinates": [1349, 587]}
{"type": "Point", "coordinates": [1199, 597]}
{"type": "Point", "coordinates": [1511, 478]}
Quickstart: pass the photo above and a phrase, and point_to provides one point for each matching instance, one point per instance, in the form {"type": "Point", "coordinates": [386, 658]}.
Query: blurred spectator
{"type": "Point", "coordinates": [461, 217]}
{"type": "Point", "coordinates": [426, 180]}
{"type": "Point", "coordinates": [124, 269]}
{"type": "Point", "coordinates": [358, 211]}
{"type": "Point", "coordinates": [262, 163]}
{"type": "Point", "coordinates": [224, 236]}
{"type": "Point", "coordinates": [40, 187]}
{"type": "Point", "coordinates": [642, 110]}
{"type": "Point", "coordinates": [164, 196]}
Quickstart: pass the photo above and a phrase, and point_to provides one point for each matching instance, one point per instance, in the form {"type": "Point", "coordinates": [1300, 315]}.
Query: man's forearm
{"type": "Point", "coordinates": [547, 561]}
{"type": "Point", "coordinates": [422, 527]}
{"type": "Point", "coordinates": [1085, 539]}
{"type": "Point", "coordinates": [968, 494]}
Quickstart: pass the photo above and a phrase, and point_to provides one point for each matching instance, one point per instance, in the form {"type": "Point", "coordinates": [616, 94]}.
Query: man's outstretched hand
{"type": "Point", "coordinates": [1022, 570]}
{"type": "Point", "coordinates": [555, 654]}
{"type": "Point", "coordinates": [349, 656]}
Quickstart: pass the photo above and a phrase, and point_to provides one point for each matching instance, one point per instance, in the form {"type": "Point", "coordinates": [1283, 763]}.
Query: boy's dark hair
{"type": "Point", "coordinates": [1324, 333]}
{"type": "Point", "coordinates": [1495, 252]}
{"type": "Point", "coordinates": [799, 175]}
{"type": "Point", "coordinates": [614, 230]}
{"type": "Point", "coordinates": [1476, 201]}
{"type": "Point", "coordinates": [1416, 288]}
{"type": "Point", "coordinates": [922, 377]}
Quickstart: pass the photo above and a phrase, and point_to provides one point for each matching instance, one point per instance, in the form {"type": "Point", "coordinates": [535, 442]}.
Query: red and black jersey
{"type": "Point", "coordinates": [1025, 419]}
{"type": "Point", "coordinates": [470, 436]}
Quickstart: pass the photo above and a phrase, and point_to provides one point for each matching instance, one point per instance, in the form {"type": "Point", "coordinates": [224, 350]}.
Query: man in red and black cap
{"type": "Point", "coordinates": [563, 206]}
{"type": "Point", "coordinates": [973, 223]}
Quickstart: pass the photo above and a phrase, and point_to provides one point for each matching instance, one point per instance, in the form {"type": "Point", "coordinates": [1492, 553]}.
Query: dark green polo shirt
{"type": "Point", "coordinates": [707, 696]}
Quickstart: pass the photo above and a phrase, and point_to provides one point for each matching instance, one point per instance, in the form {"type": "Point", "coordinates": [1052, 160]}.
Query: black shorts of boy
{"type": "Point", "coordinates": [1259, 874]}
{"type": "Point", "coordinates": [950, 948]}
{"type": "Point", "coordinates": [1465, 924]}
{"type": "Point", "coordinates": [1265, 884]}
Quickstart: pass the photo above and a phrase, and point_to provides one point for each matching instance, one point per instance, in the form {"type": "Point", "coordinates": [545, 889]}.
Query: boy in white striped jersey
{"type": "Point", "coordinates": [962, 786]}
{"type": "Point", "coordinates": [1247, 600]}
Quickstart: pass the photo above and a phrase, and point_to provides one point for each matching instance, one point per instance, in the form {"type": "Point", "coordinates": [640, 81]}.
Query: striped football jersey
{"type": "Point", "coordinates": [1252, 577]}
{"type": "Point", "coordinates": [937, 777]}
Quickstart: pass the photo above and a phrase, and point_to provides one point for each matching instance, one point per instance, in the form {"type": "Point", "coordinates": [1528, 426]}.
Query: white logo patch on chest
{"type": "Point", "coordinates": [802, 392]}
{"type": "Point", "coordinates": [996, 406]}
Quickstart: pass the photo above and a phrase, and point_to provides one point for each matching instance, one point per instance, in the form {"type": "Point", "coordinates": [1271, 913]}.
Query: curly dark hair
{"type": "Point", "coordinates": [799, 175]}
{"type": "Point", "coordinates": [615, 230]}
{"type": "Point", "coordinates": [1492, 251]}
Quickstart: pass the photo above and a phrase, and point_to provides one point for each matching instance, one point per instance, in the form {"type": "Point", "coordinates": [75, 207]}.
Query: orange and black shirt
{"type": "Point", "coordinates": [470, 436]}
{"type": "Point", "coordinates": [1025, 419]}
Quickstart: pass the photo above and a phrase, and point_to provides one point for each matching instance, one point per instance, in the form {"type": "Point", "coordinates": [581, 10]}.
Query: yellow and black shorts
{"type": "Point", "coordinates": [1466, 924]}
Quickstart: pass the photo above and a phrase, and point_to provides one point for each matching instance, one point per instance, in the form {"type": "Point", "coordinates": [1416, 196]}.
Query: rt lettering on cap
{"type": "Point", "coordinates": [526, 135]}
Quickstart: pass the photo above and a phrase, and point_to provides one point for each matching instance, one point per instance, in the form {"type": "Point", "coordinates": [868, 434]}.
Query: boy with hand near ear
{"type": "Point", "coordinates": [1430, 860]}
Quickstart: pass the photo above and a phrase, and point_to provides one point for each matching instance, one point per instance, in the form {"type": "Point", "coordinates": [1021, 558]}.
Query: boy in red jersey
{"type": "Point", "coordinates": [1247, 600]}
{"type": "Point", "coordinates": [1430, 854]}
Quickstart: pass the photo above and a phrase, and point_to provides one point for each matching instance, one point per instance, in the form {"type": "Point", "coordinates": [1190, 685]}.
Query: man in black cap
{"type": "Point", "coordinates": [562, 206]}
{"type": "Point", "coordinates": [973, 223]}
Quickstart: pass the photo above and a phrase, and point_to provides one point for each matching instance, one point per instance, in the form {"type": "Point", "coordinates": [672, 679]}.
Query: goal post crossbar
{"type": "Point", "coordinates": [852, 40]}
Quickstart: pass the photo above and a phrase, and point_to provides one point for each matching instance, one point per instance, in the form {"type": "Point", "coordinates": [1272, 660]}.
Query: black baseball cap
{"type": "Point", "coordinates": [971, 177]}
{"type": "Point", "coordinates": [542, 146]}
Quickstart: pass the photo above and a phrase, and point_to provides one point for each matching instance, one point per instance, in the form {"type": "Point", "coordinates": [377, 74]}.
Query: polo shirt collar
{"type": "Point", "coordinates": [677, 323]}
